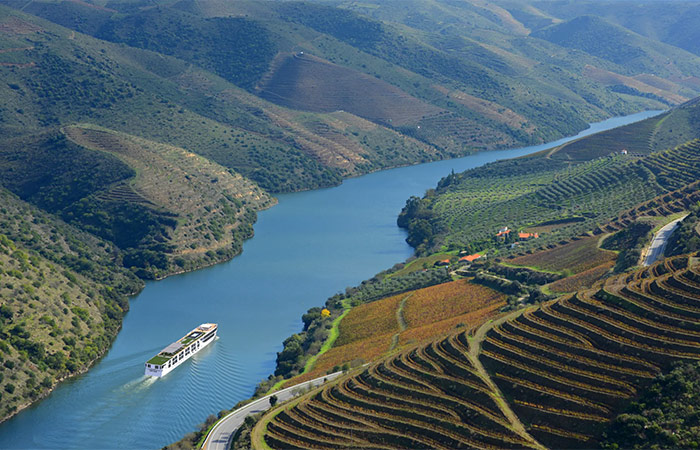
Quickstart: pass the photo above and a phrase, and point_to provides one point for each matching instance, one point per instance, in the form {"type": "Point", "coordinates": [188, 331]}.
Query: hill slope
{"type": "Point", "coordinates": [63, 299]}
{"type": "Point", "coordinates": [580, 185]}
{"type": "Point", "coordinates": [552, 375]}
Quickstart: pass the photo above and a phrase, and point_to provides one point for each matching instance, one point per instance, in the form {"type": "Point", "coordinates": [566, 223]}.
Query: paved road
{"type": "Point", "coordinates": [658, 243]}
{"type": "Point", "coordinates": [220, 436]}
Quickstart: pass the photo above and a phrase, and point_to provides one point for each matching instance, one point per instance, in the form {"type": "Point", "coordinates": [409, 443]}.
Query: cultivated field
{"type": "Point", "coordinates": [370, 330]}
{"type": "Point", "coordinates": [562, 370]}
{"type": "Point", "coordinates": [577, 256]}
{"type": "Point", "coordinates": [309, 83]}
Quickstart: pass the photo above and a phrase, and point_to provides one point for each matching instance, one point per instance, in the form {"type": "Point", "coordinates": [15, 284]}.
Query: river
{"type": "Point", "coordinates": [307, 248]}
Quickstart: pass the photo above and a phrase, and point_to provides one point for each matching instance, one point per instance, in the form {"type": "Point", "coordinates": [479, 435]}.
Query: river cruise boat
{"type": "Point", "coordinates": [181, 350]}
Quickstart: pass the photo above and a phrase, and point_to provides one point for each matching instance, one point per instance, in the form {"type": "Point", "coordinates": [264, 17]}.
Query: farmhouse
{"type": "Point", "coordinates": [470, 258]}
{"type": "Point", "coordinates": [444, 262]}
{"type": "Point", "coordinates": [503, 232]}
{"type": "Point", "coordinates": [526, 236]}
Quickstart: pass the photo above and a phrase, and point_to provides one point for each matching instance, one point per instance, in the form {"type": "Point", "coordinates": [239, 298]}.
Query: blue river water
{"type": "Point", "coordinates": [307, 248]}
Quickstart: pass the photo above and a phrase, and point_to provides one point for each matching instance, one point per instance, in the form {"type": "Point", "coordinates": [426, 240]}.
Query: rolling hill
{"type": "Point", "coordinates": [63, 299]}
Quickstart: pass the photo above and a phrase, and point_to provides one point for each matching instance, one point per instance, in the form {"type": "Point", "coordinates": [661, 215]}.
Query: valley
{"type": "Point", "coordinates": [143, 140]}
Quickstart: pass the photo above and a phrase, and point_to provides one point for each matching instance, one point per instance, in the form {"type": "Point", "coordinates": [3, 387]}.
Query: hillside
{"type": "Point", "coordinates": [597, 37]}
{"type": "Point", "coordinates": [668, 22]}
{"type": "Point", "coordinates": [552, 375]}
{"type": "Point", "coordinates": [419, 63]}
{"type": "Point", "coordinates": [214, 208]}
{"type": "Point", "coordinates": [578, 185]}
{"type": "Point", "coordinates": [309, 83]}
{"type": "Point", "coordinates": [63, 299]}
{"type": "Point", "coordinates": [374, 329]}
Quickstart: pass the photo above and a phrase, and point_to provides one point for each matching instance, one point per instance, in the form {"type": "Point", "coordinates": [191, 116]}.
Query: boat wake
{"type": "Point", "coordinates": [140, 384]}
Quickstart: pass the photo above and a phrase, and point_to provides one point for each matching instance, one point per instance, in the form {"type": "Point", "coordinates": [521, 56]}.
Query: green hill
{"type": "Point", "coordinates": [671, 22]}
{"type": "Point", "coordinates": [63, 298]}
{"type": "Point", "coordinates": [580, 185]}
{"type": "Point", "coordinates": [597, 37]}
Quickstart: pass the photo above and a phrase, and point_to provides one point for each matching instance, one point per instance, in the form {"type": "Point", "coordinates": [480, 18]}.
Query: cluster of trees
{"type": "Point", "coordinates": [342, 24]}
{"type": "Point", "coordinates": [385, 285]}
{"type": "Point", "coordinates": [685, 238]}
{"type": "Point", "coordinates": [235, 48]}
{"type": "Point", "coordinates": [299, 347]}
{"type": "Point", "coordinates": [417, 218]}
{"type": "Point", "coordinates": [665, 415]}
{"type": "Point", "coordinates": [64, 88]}
{"type": "Point", "coordinates": [629, 242]}
{"type": "Point", "coordinates": [524, 275]}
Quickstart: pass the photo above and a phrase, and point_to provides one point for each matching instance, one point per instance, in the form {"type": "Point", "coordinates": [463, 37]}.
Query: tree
{"type": "Point", "coordinates": [273, 400]}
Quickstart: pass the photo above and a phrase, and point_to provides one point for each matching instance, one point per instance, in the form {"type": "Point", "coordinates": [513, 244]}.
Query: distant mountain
{"type": "Point", "coordinates": [672, 22]}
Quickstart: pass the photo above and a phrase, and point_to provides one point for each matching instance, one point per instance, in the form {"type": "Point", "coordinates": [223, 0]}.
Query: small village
{"type": "Point", "coordinates": [504, 235]}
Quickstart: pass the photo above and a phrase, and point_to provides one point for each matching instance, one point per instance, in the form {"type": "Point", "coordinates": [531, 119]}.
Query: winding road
{"type": "Point", "coordinates": [219, 438]}
{"type": "Point", "coordinates": [659, 241]}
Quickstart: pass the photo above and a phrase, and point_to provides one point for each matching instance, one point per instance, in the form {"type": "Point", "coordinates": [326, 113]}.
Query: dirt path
{"type": "Point", "coordinates": [402, 322]}
{"type": "Point", "coordinates": [473, 355]}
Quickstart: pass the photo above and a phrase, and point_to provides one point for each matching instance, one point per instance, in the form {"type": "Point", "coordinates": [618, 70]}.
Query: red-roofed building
{"type": "Point", "coordinates": [444, 262]}
{"type": "Point", "coordinates": [503, 232]}
{"type": "Point", "coordinates": [526, 236]}
{"type": "Point", "coordinates": [470, 258]}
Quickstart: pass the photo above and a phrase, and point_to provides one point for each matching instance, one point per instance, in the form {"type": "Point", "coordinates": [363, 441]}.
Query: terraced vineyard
{"type": "Point", "coordinates": [561, 370]}
{"type": "Point", "coordinates": [676, 167]}
{"type": "Point", "coordinates": [372, 329]}
{"type": "Point", "coordinates": [569, 364]}
{"type": "Point", "coordinates": [578, 256]}
{"type": "Point", "coordinates": [468, 211]}
{"type": "Point", "coordinates": [430, 397]}
{"type": "Point", "coordinates": [662, 205]}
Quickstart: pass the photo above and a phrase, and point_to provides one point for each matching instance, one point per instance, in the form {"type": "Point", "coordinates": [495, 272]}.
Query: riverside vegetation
{"type": "Point", "coordinates": [140, 140]}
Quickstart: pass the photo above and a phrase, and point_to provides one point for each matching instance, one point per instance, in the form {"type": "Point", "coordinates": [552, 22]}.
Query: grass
{"type": "Point", "coordinates": [581, 280]}
{"type": "Point", "coordinates": [538, 269]}
{"type": "Point", "coordinates": [158, 360]}
{"type": "Point", "coordinates": [421, 263]}
{"type": "Point", "coordinates": [665, 220]}
{"type": "Point", "coordinates": [333, 334]}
